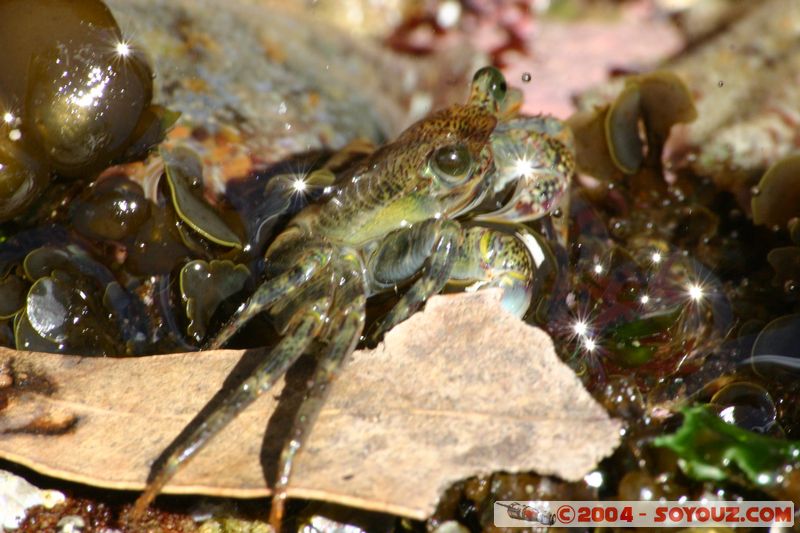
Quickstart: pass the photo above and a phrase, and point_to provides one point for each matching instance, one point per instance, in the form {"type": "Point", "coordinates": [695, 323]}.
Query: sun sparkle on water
{"type": "Point", "coordinates": [695, 291]}
{"type": "Point", "coordinates": [580, 328]}
{"type": "Point", "coordinates": [123, 49]}
{"type": "Point", "coordinates": [590, 344]}
{"type": "Point", "coordinates": [299, 185]}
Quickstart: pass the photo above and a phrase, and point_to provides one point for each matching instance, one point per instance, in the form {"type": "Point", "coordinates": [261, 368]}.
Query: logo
{"type": "Point", "coordinates": [528, 513]}
{"type": "Point", "coordinates": [643, 514]}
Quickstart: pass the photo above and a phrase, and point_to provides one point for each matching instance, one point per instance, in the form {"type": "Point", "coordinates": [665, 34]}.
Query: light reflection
{"type": "Point", "coordinates": [590, 344]}
{"type": "Point", "coordinates": [448, 14]}
{"type": "Point", "coordinates": [728, 415]}
{"type": "Point", "coordinates": [696, 291]}
{"type": "Point", "coordinates": [122, 49]}
{"type": "Point", "coordinates": [656, 258]}
{"type": "Point", "coordinates": [582, 332]}
{"type": "Point", "coordinates": [644, 299]}
{"type": "Point", "coordinates": [299, 184]}
{"type": "Point", "coordinates": [96, 83]}
{"type": "Point", "coordinates": [594, 479]}
{"type": "Point", "coordinates": [523, 167]}
{"type": "Point", "coordinates": [8, 118]}
{"type": "Point", "coordinates": [581, 328]}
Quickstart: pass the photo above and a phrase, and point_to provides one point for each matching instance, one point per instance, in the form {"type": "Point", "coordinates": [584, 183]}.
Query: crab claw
{"type": "Point", "coordinates": [538, 154]}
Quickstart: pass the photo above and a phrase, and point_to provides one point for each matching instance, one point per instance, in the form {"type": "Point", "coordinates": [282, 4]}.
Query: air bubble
{"type": "Point", "coordinates": [526, 77]}
{"type": "Point", "coordinates": [720, 83]}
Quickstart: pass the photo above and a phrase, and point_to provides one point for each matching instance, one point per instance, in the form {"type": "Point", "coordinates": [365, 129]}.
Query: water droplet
{"type": "Point", "coordinates": [557, 213]}
{"type": "Point", "coordinates": [526, 77]}
{"type": "Point", "coordinates": [720, 83]}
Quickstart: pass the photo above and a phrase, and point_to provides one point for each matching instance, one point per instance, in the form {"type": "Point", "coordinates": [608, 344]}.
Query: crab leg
{"type": "Point", "coordinates": [347, 330]}
{"type": "Point", "coordinates": [492, 258]}
{"type": "Point", "coordinates": [269, 292]}
{"type": "Point", "coordinates": [301, 332]}
{"type": "Point", "coordinates": [432, 281]}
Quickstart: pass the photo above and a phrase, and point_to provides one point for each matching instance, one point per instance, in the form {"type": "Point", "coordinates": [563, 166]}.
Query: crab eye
{"type": "Point", "coordinates": [452, 163]}
{"type": "Point", "coordinates": [495, 82]}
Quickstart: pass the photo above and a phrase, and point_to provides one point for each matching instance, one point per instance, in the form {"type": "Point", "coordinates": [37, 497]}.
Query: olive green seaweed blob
{"type": "Point", "coordinates": [711, 449]}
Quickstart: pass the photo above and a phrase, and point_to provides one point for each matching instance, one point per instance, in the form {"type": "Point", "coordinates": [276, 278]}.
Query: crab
{"type": "Point", "coordinates": [411, 212]}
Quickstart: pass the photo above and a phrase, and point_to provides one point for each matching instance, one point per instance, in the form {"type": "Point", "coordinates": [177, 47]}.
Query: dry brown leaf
{"type": "Point", "coordinates": [458, 390]}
